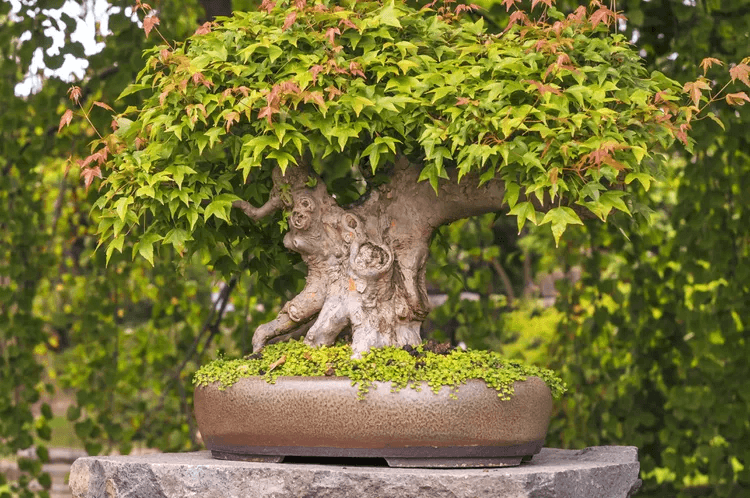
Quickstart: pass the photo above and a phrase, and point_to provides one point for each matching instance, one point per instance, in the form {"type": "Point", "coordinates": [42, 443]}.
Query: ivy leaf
{"type": "Point", "coordinates": [560, 218]}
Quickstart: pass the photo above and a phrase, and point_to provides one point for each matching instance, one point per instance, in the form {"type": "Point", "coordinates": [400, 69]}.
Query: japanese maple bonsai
{"type": "Point", "coordinates": [434, 117]}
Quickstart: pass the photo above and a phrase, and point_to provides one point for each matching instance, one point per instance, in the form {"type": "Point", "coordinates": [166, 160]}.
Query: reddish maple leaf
{"type": "Point", "coordinates": [694, 89]}
{"type": "Point", "coordinates": [708, 62]}
{"type": "Point", "coordinates": [231, 117]}
{"type": "Point", "coordinates": [289, 20]}
{"type": "Point", "coordinates": [199, 79]}
{"type": "Point", "coordinates": [319, 7]}
{"type": "Point", "coordinates": [103, 106]}
{"type": "Point", "coordinates": [164, 53]}
{"type": "Point", "coordinates": [289, 87]}
{"type": "Point", "coordinates": [333, 92]}
{"type": "Point", "coordinates": [267, 5]}
{"type": "Point", "coordinates": [267, 112]}
{"type": "Point", "coordinates": [356, 70]}
{"type": "Point", "coordinates": [542, 88]}
{"type": "Point", "coordinates": [347, 23]}
{"type": "Point", "coordinates": [149, 23]}
{"type": "Point", "coordinates": [65, 120]}
{"type": "Point", "coordinates": [300, 4]}
{"type": "Point", "coordinates": [89, 174]}
{"type": "Point", "coordinates": [508, 4]}
{"type": "Point", "coordinates": [204, 29]}
{"type": "Point", "coordinates": [163, 96]}
{"type": "Point", "coordinates": [515, 17]}
{"type": "Point", "coordinates": [331, 34]}
{"type": "Point", "coordinates": [740, 72]}
{"type": "Point", "coordinates": [681, 134]}
{"type": "Point", "coordinates": [139, 143]}
{"type": "Point", "coordinates": [315, 70]}
{"type": "Point", "coordinates": [316, 97]}
{"type": "Point", "coordinates": [534, 3]}
{"type": "Point", "coordinates": [578, 15]}
{"type": "Point", "coordinates": [243, 90]}
{"type": "Point", "coordinates": [738, 99]}
{"type": "Point", "coordinates": [74, 92]}
{"type": "Point", "coordinates": [601, 15]}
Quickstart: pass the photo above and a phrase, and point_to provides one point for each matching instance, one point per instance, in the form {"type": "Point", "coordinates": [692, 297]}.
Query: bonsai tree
{"type": "Point", "coordinates": [423, 117]}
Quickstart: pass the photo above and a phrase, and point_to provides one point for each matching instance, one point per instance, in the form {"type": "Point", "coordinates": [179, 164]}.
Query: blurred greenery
{"type": "Point", "coordinates": [651, 341]}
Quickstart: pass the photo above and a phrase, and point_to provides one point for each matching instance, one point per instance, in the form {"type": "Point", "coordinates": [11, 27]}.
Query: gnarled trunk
{"type": "Point", "coordinates": [366, 264]}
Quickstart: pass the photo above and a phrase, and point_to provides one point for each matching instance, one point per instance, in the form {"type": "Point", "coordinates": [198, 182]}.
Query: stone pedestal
{"type": "Point", "coordinates": [597, 472]}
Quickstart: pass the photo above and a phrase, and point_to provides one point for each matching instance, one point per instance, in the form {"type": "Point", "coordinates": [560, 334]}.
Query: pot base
{"type": "Point", "coordinates": [430, 457]}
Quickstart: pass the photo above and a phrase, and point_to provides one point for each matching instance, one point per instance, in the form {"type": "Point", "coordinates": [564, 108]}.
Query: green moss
{"type": "Point", "coordinates": [401, 366]}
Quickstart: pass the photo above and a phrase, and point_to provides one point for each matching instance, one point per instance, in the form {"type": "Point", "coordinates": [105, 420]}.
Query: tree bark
{"type": "Point", "coordinates": [366, 264]}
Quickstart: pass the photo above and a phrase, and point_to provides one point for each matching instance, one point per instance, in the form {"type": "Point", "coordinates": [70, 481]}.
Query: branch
{"type": "Point", "coordinates": [506, 281]}
{"type": "Point", "coordinates": [273, 204]}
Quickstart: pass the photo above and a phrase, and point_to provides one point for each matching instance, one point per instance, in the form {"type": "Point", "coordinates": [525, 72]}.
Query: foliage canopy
{"type": "Point", "coordinates": [556, 107]}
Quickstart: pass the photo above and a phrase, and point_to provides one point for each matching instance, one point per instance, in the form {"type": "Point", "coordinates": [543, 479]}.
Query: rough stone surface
{"type": "Point", "coordinates": [597, 472]}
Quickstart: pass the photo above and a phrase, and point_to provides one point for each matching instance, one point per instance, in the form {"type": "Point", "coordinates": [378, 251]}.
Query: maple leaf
{"type": "Point", "coordinates": [740, 72]}
{"type": "Point", "coordinates": [681, 134]}
{"type": "Point", "coordinates": [515, 17]}
{"type": "Point", "coordinates": [267, 112]}
{"type": "Point", "coordinates": [267, 5]}
{"type": "Point", "coordinates": [508, 4]}
{"type": "Point", "coordinates": [601, 15]}
{"type": "Point", "coordinates": [163, 96]}
{"type": "Point", "coordinates": [103, 106]}
{"type": "Point", "coordinates": [89, 174]}
{"type": "Point", "coordinates": [579, 15]}
{"type": "Point", "coordinates": [198, 78]}
{"type": "Point", "coordinates": [356, 70]}
{"type": "Point", "coordinates": [289, 87]}
{"type": "Point", "coordinates": [316, 97]}
{"type": "Point", "coordinates": [708, 62]}
{"type": "Point", "coordinates": [164, 53]}
{"type": "Point", "coordinates": [74, 92]}
{"type": "Point", "coordinates": [243, 90]}
{"type": "Point", "coordinates": [333, 92]}
{"type": "Point", "coordinates": [149, 23]}
{"type": "Point", "coordinates": [300, 4]}
{"type": "Point", "coordinates": [738, 99]}
{"type": "Point", "coordinates": [65, 120]}
{"type": "Point", "coordinates": [289, 20]}
{"type": "Point", "coordinates": [348, 24]}
{"type": "Point", "coordinates": [315, 70]}
{"type": "Point", "coordinates": [534, 3]}
{"type": "Point", "coordinates": [139, 142]}
{"type": "Point", "coordinates": [544, 88]}
{"type": "Point", "coordinates": [694, 89]}
{"type": "Point", "coordinates": [331, 34]}
{"type": "Point", "coordinates": [231, 118]}
{"type": "Point", "coordinates": [204, 29]}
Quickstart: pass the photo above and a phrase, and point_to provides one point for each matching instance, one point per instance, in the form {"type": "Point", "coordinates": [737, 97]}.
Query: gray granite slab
{"type": "Point", "coordinates": [596, 472]}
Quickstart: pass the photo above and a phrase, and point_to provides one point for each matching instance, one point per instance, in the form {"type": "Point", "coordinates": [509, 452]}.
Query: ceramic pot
{"type": "Point", "coordinates": [321, 416]}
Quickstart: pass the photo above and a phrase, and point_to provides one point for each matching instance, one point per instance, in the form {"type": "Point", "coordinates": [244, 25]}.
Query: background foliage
{"type": "Point", "coordinates": [651, 341]}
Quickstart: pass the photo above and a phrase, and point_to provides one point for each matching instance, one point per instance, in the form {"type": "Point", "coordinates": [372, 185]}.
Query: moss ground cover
{"type": "Point", "coordinates": [436, 364]}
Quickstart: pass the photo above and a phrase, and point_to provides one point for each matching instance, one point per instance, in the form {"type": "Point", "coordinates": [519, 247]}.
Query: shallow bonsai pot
{"type": "Point", "coordinates": [322, 416]}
